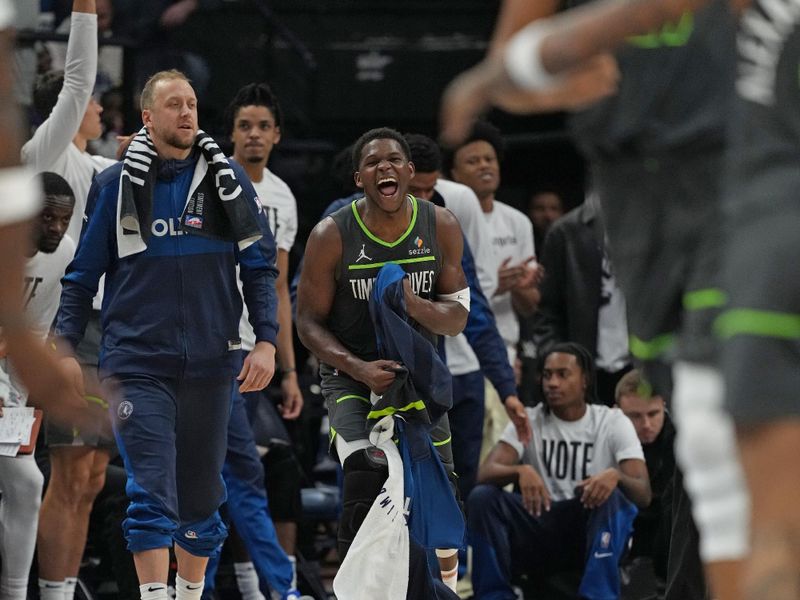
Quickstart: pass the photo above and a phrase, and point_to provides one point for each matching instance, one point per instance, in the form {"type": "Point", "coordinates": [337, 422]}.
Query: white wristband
{"type": "Point", "coordinates": [523, 61]}
{"type": "Point", "coordinates": [461, 296]}
{"type": "Point", "coordinates": [20, 195]}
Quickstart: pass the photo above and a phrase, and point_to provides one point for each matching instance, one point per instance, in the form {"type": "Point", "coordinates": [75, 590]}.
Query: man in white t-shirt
{"type": "Point", "coordinates": [476, 163]}
{"type": "Point", "coordinates": [254, 119]}
{"type": "Point", "coordinates": [579, 478]}
{"type": "Point", "coordinates": [511, 258]}
{"type": "Point", "coordinates": [20, 479]}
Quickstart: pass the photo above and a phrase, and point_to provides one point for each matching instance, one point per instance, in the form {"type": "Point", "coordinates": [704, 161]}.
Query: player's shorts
{"type": "Point", "coordinates": [348, 404]}
{"type": "Point", "coordinates": [760, 329]}
{"type": "Point", "coordinates": [99, 436]}
{"type": "Point", "coordinates": [87, 354]}
{"type": "Point", "coordinates": [663, 220]}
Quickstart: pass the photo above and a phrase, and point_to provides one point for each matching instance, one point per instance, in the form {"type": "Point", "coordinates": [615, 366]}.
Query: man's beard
{"type": "Point", "coordinates": [176, 142]}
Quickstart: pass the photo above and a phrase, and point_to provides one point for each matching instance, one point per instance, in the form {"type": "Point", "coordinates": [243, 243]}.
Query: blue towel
{"type": "Point", "coordinates": [429, 379]}
{"type": "Point", "coordinates": [435, 519]}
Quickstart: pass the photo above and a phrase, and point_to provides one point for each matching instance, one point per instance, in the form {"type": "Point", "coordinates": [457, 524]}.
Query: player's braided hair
{"type": "Point", "coordinates": [585, 361]}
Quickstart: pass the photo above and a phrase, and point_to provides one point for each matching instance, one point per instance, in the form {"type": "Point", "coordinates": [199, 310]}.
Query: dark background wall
{"type": "Point", "coordinates": [341, 67]}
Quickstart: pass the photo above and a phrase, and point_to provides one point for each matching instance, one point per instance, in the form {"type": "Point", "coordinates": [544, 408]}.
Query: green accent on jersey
{"type": "Point", "coordinates": [378, 240]}
{"type": "Point", "coordinates": [443, 442]}
{"type": "Point", "coordinates": [671, 35]}
{"type": "Point", "coordinates": [705, 298]}
{"type": "Point", "coordinates": [399, 261]}
{"type": "Point", "coordinates": [761, 323]}
{"type": "Point", "coordinates": [352, 397]}
{"type": "Point", "coordinates": [390, 410]}
{"type": "Point", "coordinates": [651, 349]}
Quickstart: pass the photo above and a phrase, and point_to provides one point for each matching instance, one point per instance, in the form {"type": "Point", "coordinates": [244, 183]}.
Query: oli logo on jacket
{"type": "Point", "coordinates": [164, 227]}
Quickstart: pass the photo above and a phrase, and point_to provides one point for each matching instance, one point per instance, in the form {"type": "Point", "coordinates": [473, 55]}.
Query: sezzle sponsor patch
{"type": "Point", "coordinates": [420, 248]}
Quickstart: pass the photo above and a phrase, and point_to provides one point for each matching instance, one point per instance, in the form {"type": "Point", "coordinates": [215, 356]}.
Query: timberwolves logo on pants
{"type": "Point", "coordinates": [124, 410]}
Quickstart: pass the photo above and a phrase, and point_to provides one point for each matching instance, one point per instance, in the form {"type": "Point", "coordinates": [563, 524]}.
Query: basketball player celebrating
{"type": "Point", "coordinates": [343, 255]}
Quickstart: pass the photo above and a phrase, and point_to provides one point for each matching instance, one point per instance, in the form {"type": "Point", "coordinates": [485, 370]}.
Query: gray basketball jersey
{"type": "Point", "coordinates": [765, 131]}
{"type": "Point", "coordinates": [363, 254]}
{"type": "Point", "coordinates": [763, 159]}
{"type": "Point", "coordinates": [674, 91]}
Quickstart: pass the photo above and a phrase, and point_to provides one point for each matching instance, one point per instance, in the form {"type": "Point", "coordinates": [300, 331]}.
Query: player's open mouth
{"type": "Point", "coordinates": [387, 186]}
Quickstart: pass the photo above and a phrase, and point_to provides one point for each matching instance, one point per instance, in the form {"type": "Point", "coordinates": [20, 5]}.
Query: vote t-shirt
{"type": "Point", "coordinates": [564, 453]}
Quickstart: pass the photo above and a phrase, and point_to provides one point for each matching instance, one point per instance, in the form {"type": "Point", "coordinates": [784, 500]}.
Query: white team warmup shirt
{"type": "Point", "coordinates": [464, 204]}
{"type": "Point", "coordinates": [42, 293]}
{"type": "Point", "coordinates": [280, 207]}
{"type": "Point", "coordinates": [564, 453]}
{"type": "Point", "coordinates": [511, 236]}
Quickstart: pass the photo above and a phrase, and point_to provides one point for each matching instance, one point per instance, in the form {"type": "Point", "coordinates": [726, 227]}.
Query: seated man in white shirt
{"type": "Point", "coordinates": [49, 251]}
{"type": "Point", "coordinates": [581, 478]}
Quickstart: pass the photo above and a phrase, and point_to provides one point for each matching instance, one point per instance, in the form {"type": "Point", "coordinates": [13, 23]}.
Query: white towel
{"type": "Point", "coordinates": [376, 566]}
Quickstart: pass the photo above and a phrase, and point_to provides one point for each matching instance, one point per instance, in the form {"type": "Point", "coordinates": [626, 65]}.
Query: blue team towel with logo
{"type": "Point", "coordinates": [435, 519]}
{"type": "Point", "coordinates": [397, 340]}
